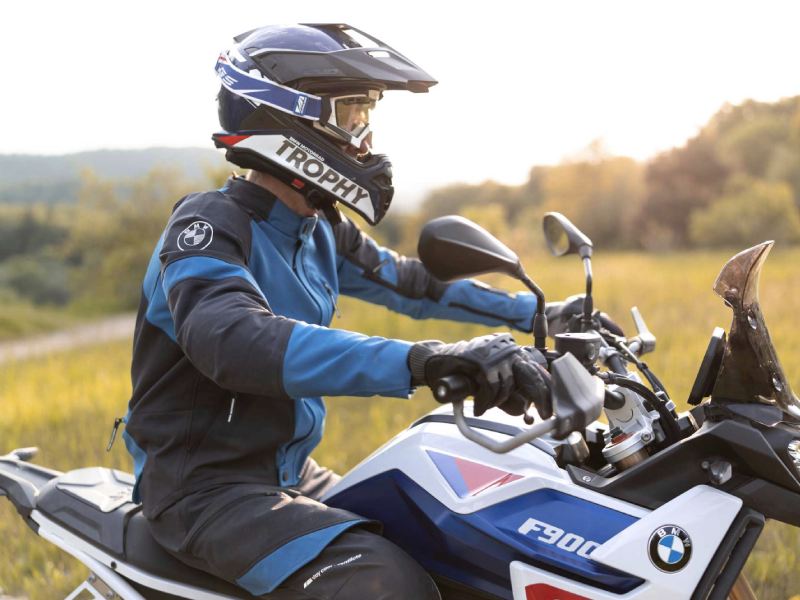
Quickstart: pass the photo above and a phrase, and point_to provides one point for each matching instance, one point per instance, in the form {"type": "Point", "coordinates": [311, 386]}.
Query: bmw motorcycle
{"type": "Point", "coordinates": [647, 504]}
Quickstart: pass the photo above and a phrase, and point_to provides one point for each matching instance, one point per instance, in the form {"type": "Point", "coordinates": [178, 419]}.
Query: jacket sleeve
{"type": "Point", "coordinates": [224, 324]}
{"type": "Point", "coordinates": [381, 276]}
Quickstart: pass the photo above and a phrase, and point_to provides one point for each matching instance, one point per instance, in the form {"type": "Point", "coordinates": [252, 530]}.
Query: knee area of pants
{"type": "Point", "coordinates": [403, 579]}
{"type": "Point", "coordinates": [403, 586]}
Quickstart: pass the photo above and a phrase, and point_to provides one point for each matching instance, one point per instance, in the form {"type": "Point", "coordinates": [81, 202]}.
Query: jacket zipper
{"type": "Point", "coordinates": [230, 410]}
{"type": "Point", "coordinates": [293, 447]}
{"type": "Point", "coordinates": [297, 245]}
{"type": "Point", "coordinates": [298, 257]}
{"type": "Point", "coordinates": [333, 299]}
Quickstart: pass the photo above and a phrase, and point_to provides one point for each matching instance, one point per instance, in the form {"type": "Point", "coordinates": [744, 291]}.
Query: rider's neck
{"type": "Point", "coordinates": [290, 197]}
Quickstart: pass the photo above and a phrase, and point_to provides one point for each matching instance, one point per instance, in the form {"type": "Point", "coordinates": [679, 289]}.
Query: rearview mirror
{"type": "Point", "coordinates": [453, 247]}
{"type": "Point", "coordinates": [563, 237]}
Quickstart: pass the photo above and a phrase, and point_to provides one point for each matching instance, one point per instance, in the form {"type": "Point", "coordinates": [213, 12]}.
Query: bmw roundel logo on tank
{"type": "Point", "coordinates": [670, 548]}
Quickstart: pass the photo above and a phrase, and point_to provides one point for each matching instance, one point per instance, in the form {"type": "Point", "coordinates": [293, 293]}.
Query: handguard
{"type": "Point", "coordinates": [577, 402]}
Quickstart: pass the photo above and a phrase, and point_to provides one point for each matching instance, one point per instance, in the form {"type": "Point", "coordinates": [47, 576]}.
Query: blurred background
{"type": "Point", "coordinates": [668, 131]}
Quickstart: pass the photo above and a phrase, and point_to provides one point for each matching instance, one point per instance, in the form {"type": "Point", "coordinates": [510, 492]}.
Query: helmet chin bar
{"type": "Point", "coordinates": [323, 178]}
{"type": "Point", "coordinates": [314, 198]}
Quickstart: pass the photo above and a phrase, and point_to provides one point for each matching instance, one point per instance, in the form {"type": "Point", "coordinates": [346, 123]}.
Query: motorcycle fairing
{"type": "Point", "coordinates": [475, 549]}
{"type": "Point", "coordinates": [750, 370]}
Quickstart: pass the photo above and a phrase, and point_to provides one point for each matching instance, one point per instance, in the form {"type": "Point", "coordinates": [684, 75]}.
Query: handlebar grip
{"type": "Point", "coordinates": [452, 388]}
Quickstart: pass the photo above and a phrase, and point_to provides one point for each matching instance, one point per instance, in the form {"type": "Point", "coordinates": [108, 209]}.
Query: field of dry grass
{"type": "Point", "coordinates": [66, 403]}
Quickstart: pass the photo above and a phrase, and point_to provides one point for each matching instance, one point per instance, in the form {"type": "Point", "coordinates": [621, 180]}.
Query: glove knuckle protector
{"type": "Point", "coordinates": [503, 374]}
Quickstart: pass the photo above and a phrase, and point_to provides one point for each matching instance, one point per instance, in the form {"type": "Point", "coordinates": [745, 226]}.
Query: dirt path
{"type": "Point", "coordinates": [105, 330]}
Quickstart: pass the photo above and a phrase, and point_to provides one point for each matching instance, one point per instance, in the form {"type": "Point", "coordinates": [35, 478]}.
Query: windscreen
{"type": "Point", "coordinates": [750, 371]}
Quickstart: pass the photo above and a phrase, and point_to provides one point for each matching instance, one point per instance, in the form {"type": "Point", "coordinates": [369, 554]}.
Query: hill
{"type": "Point", "coordinates": [40, 178]}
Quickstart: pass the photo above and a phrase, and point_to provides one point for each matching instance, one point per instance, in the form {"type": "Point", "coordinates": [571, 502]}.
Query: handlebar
{"type": "Point", "coordinates": [577, 400]}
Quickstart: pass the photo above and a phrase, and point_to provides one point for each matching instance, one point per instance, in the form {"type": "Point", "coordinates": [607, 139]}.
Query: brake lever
{"type": "Point", "coordinates": [645, 341]}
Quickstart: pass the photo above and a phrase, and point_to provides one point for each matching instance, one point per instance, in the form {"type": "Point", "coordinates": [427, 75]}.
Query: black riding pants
{"type": "Point", "coordinates": [228, 531]}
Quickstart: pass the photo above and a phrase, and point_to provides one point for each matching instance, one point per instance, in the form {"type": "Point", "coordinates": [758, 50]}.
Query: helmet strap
{"type": "Point", "coordinates": [326, 205]}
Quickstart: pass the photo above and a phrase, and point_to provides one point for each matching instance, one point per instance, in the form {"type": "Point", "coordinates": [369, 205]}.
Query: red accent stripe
{"type": "Point", "coordinates": [542, 591]}
{"type": "Point", "coordinates": [298, 184]}
{"type": "Point", "coordinates": [231, 140]}
{"type": "Point", "coordinates": [479, 478]}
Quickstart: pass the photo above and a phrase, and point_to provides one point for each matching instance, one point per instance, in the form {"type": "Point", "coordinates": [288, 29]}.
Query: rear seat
{"type": "Point", "coordinates": [95, 504]}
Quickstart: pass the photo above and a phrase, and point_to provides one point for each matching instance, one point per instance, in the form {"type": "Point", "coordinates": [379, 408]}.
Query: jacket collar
{"type": "Point", "coordinates": [267, 207]}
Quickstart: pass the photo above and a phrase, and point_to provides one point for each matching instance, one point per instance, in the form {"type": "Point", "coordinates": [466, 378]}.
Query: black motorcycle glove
{"type": "Point", "coordinates": [532, 383]}
{"type": "Point", "coordinates": [504, 375]}
{"type": "Point", "coordinates": [566, 316]}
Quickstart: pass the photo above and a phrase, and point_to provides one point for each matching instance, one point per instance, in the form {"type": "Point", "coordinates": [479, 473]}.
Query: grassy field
{"type": "Point", "coordinates": [66, 404]}
{"type": "Point", "coordinates": [18, 319]}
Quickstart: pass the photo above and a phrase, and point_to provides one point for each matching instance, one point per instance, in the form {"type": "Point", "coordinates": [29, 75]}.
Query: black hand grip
{"type": "Point", "coordinates": [452, 388]}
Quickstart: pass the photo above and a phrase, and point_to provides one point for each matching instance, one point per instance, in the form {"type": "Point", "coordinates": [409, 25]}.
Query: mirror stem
{"type": "Point", "coordinates": [588, 302]}
{"type": "Point", "coordinates": [539, 320]}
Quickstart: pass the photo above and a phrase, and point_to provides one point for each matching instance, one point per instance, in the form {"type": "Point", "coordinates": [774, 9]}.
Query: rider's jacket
{"type": "Point", "coordinates": [232, 349]}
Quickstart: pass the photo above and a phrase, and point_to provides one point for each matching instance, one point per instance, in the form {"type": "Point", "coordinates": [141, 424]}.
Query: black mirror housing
{"type": "Point", "coordinates": [453, 247]}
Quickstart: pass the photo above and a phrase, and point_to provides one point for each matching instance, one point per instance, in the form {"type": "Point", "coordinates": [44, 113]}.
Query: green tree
{"type": "Point", "coordinates": [30, 230]}
{"type": "Point", "coordinates": [677, 183]}
{"type": "Point", "coordinates": [757, 139]}
{"type": "Point", "coordinates": [36, 278]}
{"type": "Point", "coordinates": [491, 217]}
{"type": "Point", "coordinates": [453, 199]}
{"type": "Point", "coordinates": [748, 147]}
{"type": "Point", "coordinates": [113, 238]}
{"type": "Point", "coordinates": [602, 196]}
{"type": "Point", "coordinates": [784, 166]}
{"type": "Point", "coordinates": [750, 211]}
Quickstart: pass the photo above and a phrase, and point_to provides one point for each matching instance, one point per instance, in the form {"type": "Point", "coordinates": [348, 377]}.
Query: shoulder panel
{"type": "Point", "coordinates": [207, 224]}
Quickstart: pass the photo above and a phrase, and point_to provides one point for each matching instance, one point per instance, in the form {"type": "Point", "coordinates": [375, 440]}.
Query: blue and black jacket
{"type": "Point", "coordinates": [232, 349]}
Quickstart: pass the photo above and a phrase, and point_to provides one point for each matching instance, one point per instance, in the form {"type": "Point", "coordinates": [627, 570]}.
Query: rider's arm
{"type": "Point", "coordinates": [224, 324]}
{"type": "Point", "coordinates": [381, 276]}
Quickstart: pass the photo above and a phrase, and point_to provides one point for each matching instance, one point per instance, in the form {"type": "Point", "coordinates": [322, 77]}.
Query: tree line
{"type": "Point", "coordinates": [735, 183]}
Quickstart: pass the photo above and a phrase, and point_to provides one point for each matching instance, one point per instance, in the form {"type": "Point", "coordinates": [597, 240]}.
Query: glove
{"type": "Point", "coordinates": [504, 374]}
{"type": "Point", "coordinates": [565, 316]}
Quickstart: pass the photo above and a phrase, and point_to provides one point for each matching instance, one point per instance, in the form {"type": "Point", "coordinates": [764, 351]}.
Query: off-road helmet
{"type": "Point", "coordinates": [295, 101]}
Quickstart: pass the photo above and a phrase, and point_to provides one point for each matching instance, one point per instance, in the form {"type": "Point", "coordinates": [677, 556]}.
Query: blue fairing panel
{"type": "Point", "coordinates": [475, 549]}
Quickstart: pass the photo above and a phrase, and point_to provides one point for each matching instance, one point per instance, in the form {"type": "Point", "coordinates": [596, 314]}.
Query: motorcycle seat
{"type": "Point", "coordinates": [95, 504]}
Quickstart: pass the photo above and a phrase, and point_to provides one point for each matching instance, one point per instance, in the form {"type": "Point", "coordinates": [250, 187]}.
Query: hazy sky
{"type": "Point", "coordinates": [521, 83]}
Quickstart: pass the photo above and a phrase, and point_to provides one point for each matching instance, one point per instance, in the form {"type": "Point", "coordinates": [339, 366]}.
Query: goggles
{"type": "Point", "coordinates": [347, 117]}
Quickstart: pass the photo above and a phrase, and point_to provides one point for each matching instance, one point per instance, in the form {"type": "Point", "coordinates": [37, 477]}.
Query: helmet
{"type": "Point", "coordinates": [295, 102]}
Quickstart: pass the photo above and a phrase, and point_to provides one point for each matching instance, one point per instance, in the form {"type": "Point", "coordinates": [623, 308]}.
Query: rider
{"type": "Point", "coordinates": [232, 349]}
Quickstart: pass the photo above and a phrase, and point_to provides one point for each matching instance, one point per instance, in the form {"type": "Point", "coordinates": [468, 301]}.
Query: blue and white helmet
{"type": "Point", "coordinates": [295, 102]}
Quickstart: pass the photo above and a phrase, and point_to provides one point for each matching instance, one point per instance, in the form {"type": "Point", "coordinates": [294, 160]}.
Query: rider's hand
{"type": "Point", "coordinates": [504, 374]}
{"type": "Point", "coordinates": [565, 316]}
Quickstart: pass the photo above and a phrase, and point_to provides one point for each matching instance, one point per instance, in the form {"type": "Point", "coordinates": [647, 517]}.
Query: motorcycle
{"type": "Point", "coordinates": [648, 504]}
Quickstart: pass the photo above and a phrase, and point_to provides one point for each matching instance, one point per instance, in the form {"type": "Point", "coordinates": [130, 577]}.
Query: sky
{"type": "Point", "coordinates": [521, 82]}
